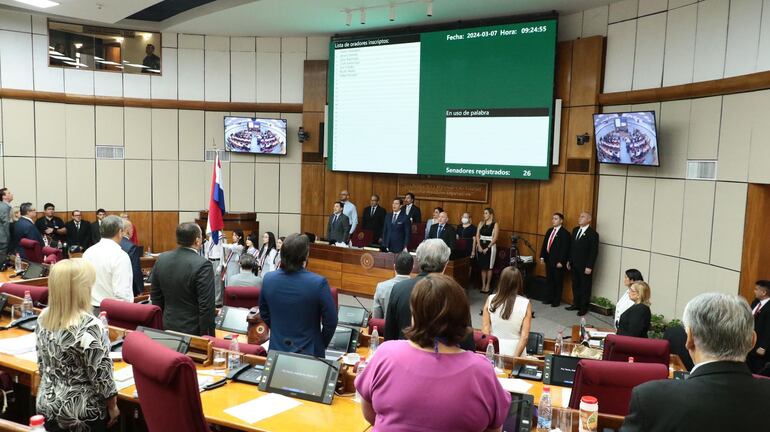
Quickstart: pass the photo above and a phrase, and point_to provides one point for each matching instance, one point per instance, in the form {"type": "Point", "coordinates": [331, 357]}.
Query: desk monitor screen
{"type": "Point", "coordinates": [560, 370]}
{"type": "Point", "coordinates": [234, 320]}
{"type": "Point", "coordinates": [352, 316]}
{"type": "Point", "coordinates": [341, 340]}
{"type": "Point", "coordinates": [177, 342]}
{"type": "Point", "coordinates": [300, 376]}
{"type": "Point", "coordinates": [255, 135]}
{"type": "Point", "coordinates": [520, 414]}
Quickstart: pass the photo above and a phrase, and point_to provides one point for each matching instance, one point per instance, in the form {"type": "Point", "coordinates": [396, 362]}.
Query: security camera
{"type": "Point", "coordinates": [583, 139]}
{"type": "Point", "coordinates": [302, 134]}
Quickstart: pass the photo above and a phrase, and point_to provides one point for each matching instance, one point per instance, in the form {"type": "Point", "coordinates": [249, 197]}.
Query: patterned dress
{"type": "Point", "coordinates": [75, 374]}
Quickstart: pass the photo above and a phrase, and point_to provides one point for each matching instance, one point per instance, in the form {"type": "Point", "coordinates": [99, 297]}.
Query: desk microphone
{"type": "Point", "coordinates": [362, 305]}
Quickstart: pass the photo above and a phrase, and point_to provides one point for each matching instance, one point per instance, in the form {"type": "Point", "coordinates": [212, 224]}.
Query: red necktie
{"type": "Point", "coordinates": [550, 239]}
{"type": "Point", "coordinates": [759, 308]}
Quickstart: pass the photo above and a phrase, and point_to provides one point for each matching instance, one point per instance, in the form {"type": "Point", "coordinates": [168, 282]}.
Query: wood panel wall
{"type": "Point", "coordinates": [523, 207]}
{"type": "Point", "coordinates": [755, 263]}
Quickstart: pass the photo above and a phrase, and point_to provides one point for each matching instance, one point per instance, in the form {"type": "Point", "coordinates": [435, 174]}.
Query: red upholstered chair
{"type": "Point", "coordinates": [32, 250]}
{"type": "Point", "coordinates": [418, 235]}
{"type": "Point", "coordinates": [481, 340]}
{"type": "Point", "coordinates": [39, 293]}
{"type": "Point", "coordinates": [245, 348]}
{"type": "Point", "coordinates": [242, 296]}
{"type": "Point", "coordinates": [643, 350]}
{"type": "Point", "coordinates": [379, 323]}
{"type": "Point", "coordinates": [167, 385]}
{"type": "Point", "coordinates": [362, 237]}
{"type": "Point", "coordinates": [130, 315]}
{"type": "Point", "coordinates": [612, 382]}
{"type": "Point", "coordinates": [51, 255]}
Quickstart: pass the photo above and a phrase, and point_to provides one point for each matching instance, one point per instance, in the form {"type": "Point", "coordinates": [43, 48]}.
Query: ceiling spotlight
{"type": "Point", "coordinates": [146, 36]}
{"type": "Point", "coordinates": [39, 3]}
{"type": "Point", "coordinates": [363, 16]}
{"type": "Point", "coordinates": [78, 45]}
{"type": "Point", "coordinates": [119, 39]}
{"type": "Point", "coordinates": [348, 18]}
{"type": "Point", "coordinates": [429, 11]}
{"type": "Point", "coordinates": [392, 13]}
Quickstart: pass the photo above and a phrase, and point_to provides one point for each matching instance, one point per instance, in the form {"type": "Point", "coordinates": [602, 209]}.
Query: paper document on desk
{"type": "Point", "coordinates": [18, 345]}
{"type": "Point", "coordinates": [30, 356]}
{"type": "Point", "coordinates": [514, 385]}
{"type": "Point", "coordinates": [262, 407]}
{"type": "Point", "coordinates": [594, 333]}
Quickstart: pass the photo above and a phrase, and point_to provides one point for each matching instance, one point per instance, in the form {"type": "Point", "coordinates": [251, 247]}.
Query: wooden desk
{"type": "Point", "coordinates": [5, 276]}
{"type": "Point", "coordinates": [23, 372]}
{"type": "Point", "coordinates": [358, 271]}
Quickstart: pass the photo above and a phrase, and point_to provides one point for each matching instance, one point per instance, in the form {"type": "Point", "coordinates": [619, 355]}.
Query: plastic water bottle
{"type": "Point", "coordinates": [105, 328]}
{"type": "Point", "coordinates": [374, 341]}
{"type": "Point", "coordinates": [234, 356]}
{"type": "Point", "coordinates": [359, 369]}
{"type": "Point", "coordinates": [557, 345]}
{"type": "Point", "coordinates": [17, 264]}
{"type": "Point", "coordinates": [491, 352]}
{"type": "Point", "coordinates": [37, 423]}
{"type": "Point", "coordinates": [27, 308]}
{"type": "Point", "coordinates": [544, 410]}
{"type": "Point", "coordinates": [583, 331]}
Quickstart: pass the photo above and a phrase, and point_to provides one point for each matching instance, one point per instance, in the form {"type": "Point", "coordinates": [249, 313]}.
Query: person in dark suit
{"type": "Point", "coordinates": [78, 231]}
{"type": "Point", "coordinates": [720, 394]}
{"type": "Point", "coordinates": [411, 210]}
{"type": "Point", "coordinates": [582, 257]}
{"type": "Point", "coordinates": [433, 257]}
{"type": "Point", "coordinates": [758, 357]}
{"type": "Point", "coordinates": [398, 228]}
{"type": "Point", "coordinates": [134, 255]}
{"type": "Point", "coordinates": [297, 304]}
{"type": "Point", "coordinates": [554, 254]}
{"type": "Point", "coordinates": [444, 230]}
{"type": "Point", "coordinates": [636, 320]}
{"type": "Point", "coordinates": [183, 285]}
{"type": "Point", "coordinates": [96, 234]}
{"type": "Point", "coordinates": [25, 228]}
{"type": "Point", "coordinates": [51, 226]}
{"type": "Point", "coordinates": [338, 228]}
{"type": "Point", "coordinates": [374, 218]}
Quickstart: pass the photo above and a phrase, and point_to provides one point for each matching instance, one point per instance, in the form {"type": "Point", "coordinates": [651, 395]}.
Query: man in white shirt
{"type": "Point", "coordinates": [114, 275]}
{"type": "Point", "coordinates": [403, 267]}
{"type": "Point", "coordinates": [349, 209]}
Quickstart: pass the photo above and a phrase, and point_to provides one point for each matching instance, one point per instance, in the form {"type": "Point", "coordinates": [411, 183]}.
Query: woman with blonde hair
{"type": "Point", "coordinates": [508, 315]}
{"type": "Point", "coordinates": [635, 321]}
{"type": "Point", "coordinates": [77, 391]}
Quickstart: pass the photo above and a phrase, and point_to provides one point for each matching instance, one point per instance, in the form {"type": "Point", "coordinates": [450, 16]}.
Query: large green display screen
{"type": "Point", "coordinates": [474, 102]}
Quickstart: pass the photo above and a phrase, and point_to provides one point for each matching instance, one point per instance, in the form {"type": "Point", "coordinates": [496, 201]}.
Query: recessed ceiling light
{"type": "Point", "coordinates": [53, 53]}
{"type": "Point", "coordinates": [107, 62]}
{"type": "Point", "coordinates": [78, 45]}
{"type": "Point", "coordinates": [62, 57]}
{"type": "Point", "coordinates": [39, 3]}
{"type": "Point", "coordinates": [137, 65]}
{"type": "Point", "coordinates": [153, 70]}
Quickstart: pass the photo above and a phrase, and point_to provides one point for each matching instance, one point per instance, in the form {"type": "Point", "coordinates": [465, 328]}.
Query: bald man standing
{"type": "Point", "coordinates": [349, 209]}
{"type": "Point", "coordinates": [582, 257]}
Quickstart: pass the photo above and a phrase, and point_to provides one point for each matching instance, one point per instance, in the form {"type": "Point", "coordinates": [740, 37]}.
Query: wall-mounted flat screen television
{"type": "Point", "coordinates": [255, 135]}
{"type": "Point", "coordinates": [627, 138]}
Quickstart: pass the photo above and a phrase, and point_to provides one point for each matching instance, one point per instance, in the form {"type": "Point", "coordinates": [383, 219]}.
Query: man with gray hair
{"type": "Point", "coordinates": [720, 393]}
{"type": "Point", "coordinates": [114, 275]}
{"type": "Point", "coordinates": [432, 258]}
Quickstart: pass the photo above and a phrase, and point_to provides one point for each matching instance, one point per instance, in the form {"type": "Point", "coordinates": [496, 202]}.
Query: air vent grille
{"type": "Point", "coordinates": [109, 152]}
{"type": "Point", "coordinates": [702, 169]}
{"type": "Point", "coordinates": [223, 155]}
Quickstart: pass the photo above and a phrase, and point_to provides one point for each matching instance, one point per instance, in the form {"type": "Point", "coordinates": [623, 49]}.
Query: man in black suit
{"type": "Point", "coordinates": [96, 234]}
{"type": "Point", "coordinates": [78, 231]}
{"type": "Point", "coordinates": [134, 255]}
{"type": "Point", "coordinates": [183, 285]}
{"type": "Point", "coordinates": [374, 218]}
{"type": "Point", "coordinates": [338, 228]}
{"type": "Point", "coordinates": [411, 210]}
{"type": "Point", "coordinates": [720, 394]}
{"type": "Point", "coordinates": [760, 310]}
{"type": "Point", "coordinates": [398, 228]}
{"type": "Point", "coordinates": [25, 228]}
{"type": "Point", "coordinates": [582, 257]}
{"type": "Point", "coordinates": [554, 254]}
{"type": "Point", "coordinates": [444, 230]}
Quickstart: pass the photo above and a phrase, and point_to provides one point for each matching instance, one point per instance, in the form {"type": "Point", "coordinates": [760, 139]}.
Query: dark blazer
{"type": "Point", "coordinates": [24, 229]}
{"type": "Point", "coordinates": [559, 249]}
{"type": "Point", "coordinates": [719, 396]}
{"type": "Point", "coordinates": [415, 214]}
{"type": "Point", "coordinates": [399, 312]}
{"type": "Point", "coordinates": [80, 237]}
{"type": "Point", "coordinates": [449, 235]}
{"type": "Point", "coordinates": [375, 222]}
{"type": "Point", "coordinates": [96, 235]}
{"type": "Point", "coordinates": [299, 309]}
{"type": "Point", "coordinates": [133, 254]}
{"type": "Point", "coordinates": [635, 321]}
{"type": "Point", "coordinates": [183, 286]}
{"type": "Point", "coordinates": [395, 236]}
{"type": "Point", "coordinates": [583, 251]}
{"type": "Point", "coordinates": [338, 231]}
{"type": "Point", "coordinates": [762, 327]}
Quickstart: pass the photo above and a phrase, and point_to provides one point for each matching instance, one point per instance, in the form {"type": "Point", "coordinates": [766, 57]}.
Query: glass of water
{"type": "Point", "coordinates": [562, 419]}
{"type": "Point", "coordinates": [220, 360]}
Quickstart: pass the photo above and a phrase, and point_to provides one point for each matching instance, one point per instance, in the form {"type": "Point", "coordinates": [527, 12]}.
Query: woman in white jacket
{"type": "Point", "coordinates": [267, 254]}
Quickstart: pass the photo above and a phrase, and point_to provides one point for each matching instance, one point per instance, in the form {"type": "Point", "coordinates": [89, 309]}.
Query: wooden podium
{"type": "Point", "coordinates": [247, 221]}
